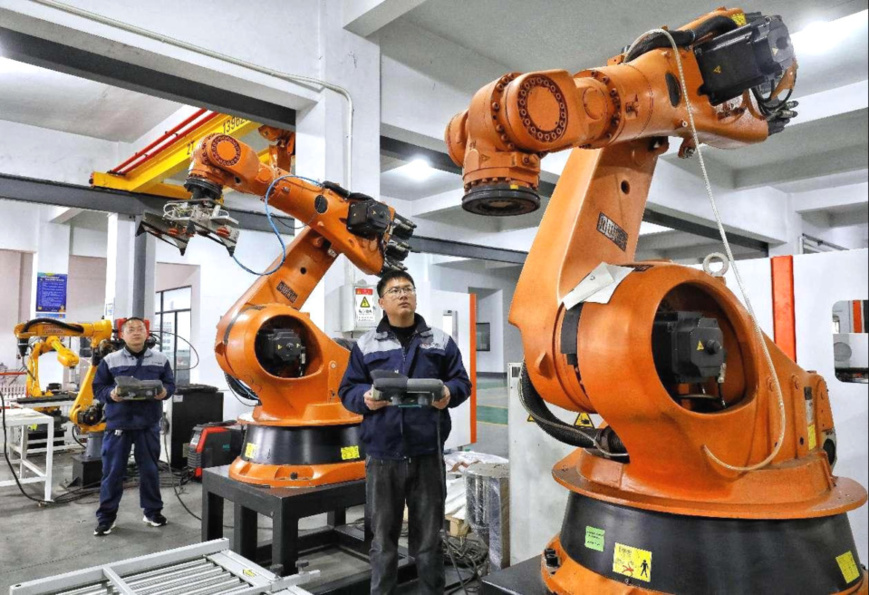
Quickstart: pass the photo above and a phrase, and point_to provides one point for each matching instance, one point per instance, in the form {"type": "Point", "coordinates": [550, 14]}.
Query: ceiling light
{"type": "Point", "coordinates": [418, 170]}
{"type": "Point", "coordinates": [815, 38]}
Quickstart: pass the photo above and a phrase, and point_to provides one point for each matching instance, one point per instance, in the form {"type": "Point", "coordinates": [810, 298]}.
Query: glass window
{"type": "Point", "coordinates": [172, 321]}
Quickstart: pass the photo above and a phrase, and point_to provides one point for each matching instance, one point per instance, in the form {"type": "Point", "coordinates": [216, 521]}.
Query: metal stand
{"type": "Point", "coordinates": [285, 506]}
{"type": "Point", "coordinates": [87, 469]}
{"type": "Point", "coordinates": [23, 419]}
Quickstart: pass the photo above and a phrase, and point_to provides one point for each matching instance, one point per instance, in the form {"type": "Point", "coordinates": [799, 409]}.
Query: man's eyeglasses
{"type": "Point", "coordinates": [399, 291]}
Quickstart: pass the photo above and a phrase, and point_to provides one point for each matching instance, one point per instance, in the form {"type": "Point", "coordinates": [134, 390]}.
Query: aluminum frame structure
{"type": "Point", "coordinates": [208, 568]}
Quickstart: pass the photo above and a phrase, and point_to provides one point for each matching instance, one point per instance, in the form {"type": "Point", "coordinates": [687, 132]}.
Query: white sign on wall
{"type": "Point", "coordinates": [364, 302]}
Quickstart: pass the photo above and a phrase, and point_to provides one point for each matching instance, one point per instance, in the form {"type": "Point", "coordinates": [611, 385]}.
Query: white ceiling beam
{"type": "Point", "coordinates": [837, 161]}
{"type": "Point", "coordinates": [850, 218]}
{"type": "Point", "coordinates": [841, 100]}
{"type": "Point", "coordinates": [827, 198]}
{"type": "Point", "coordinates": [366, 17]}
{"type": "Point", "coordinates": [62, 215]}
{"type": "Point", "coordinates": [429, 205]}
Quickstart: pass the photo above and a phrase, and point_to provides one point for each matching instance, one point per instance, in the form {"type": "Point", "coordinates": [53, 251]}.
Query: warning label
{"type": "Point", "coordinates": [249, 450]}
{"type": "Point", "coordinates": [595, 538]}
{"type": "Point", "coordinates": [348, 453]}
{"type": "Point", "coordinates": [364, 302]}
{"type": "Point", "coordinates": [848, 566]}
{"type": "Point", "coordinates": [813, 437]}
{"type": "Point", "coordinates": [699, 345]}
{"type": "Point", "coordinates": [583, 420]}
{"type": "Point", "coordinates": [632, 562]}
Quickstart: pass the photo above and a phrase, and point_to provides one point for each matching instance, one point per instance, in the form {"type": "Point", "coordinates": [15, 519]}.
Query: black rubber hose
{"type": "Point", "coordinates": [718, 25]}
{"type": "Point", "coordinates": [550, 424]}
{"type": "Point", "coordinates": [71, 327]}
{"type": "Point", "coordinates": [658, 41]}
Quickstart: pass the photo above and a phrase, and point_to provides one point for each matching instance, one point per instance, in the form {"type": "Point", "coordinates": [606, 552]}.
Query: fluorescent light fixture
{"type": "Point", "coordinates": [9, 66]}
{"type": "Point", "coordinates": [821, 37]}
{"type": "Point", "coordinates": [816, 38]}
{"type": "Point", "coordinates": [418, 170]}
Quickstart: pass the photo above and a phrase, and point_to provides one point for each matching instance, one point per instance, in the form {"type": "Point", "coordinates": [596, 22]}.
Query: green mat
{"type": "Point", "coordinates": [492, 415]}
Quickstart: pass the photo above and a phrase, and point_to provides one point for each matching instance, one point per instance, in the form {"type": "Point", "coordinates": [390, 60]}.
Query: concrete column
{"type": "Point", "coordinates": [52, 255]}
{"type": "Point", "coordinates": [119, 266]}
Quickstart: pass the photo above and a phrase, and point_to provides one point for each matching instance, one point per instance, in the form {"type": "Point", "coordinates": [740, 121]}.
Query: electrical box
{"type": "Point", "coordinates": [357, 308]}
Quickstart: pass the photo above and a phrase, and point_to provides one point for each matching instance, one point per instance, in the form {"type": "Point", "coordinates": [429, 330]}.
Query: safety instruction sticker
{"type": "Point", "coordinates": [632, 562]}
{"type": "Point", "coordinates": [363, 298]}
{"type": "Point", "coordinates": [249, 450]}
{"type": "Point", "coordinates": [248, 572]}
{"type": "Point", "coordinates": [813, 437]}
{"type": "Point", "coordinates": [700, 346]}
{"type": "Point", "coordinates": [848, 566]}
{"type": "Point", "coordinates": [595, 538]}
{"type": "Point", "coordinates": [583, 420]}
{"type": "Point", "coordinates": [348, 453]}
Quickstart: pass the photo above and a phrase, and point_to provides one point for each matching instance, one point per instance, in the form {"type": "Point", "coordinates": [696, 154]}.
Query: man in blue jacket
{"type": "Point", "coordinates": [130, 423]}
{"type": "Point", "coordinates": [404, 461]}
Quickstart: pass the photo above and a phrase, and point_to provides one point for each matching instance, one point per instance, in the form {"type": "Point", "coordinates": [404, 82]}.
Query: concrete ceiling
{"type": "Point", "coordinates": [826, 147]}
{"type": "Point", "coordinates": [574, 35]}
{"type": "Point", "coordinates": [57, 101]}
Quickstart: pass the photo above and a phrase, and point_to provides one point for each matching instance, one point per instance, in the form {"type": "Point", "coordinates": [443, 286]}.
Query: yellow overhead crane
{"type": "Point", "coordinates": [147, 170]}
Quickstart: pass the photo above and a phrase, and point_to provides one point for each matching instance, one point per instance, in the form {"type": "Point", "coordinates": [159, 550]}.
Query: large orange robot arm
{"type": "Point", "coordinates": [264, 341]}
{"type": "Point", "coordinates": [696, 424]}
{"type": "Point", "coordinates": [612, 358]}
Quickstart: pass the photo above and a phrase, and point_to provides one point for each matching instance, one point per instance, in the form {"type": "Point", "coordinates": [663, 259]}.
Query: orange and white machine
{"type": "Point", "coordinates": [300, 434]}
{"type": "Point", "coordinates": [714, 473]}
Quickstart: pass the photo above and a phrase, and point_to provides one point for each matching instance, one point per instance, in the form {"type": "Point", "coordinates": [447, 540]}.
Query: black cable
{"type": "Point", "coordinates": [196, 353]}
{"type": "Point", "coordinates": [38, 501]}
{"type": "Point", "coordinates": [443, 469]}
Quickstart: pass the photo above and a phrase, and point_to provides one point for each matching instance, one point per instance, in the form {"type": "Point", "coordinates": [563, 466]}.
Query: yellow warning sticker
{"type": "Point", "coordinates": [365, 303]}
{"type": "Point", "coordinates": [739, 18]}
{"type": "Point", "coordinates": [530, 419]}
{"type": "Point", "coordinates": [632, 562]}
{"type": "Point", "coordinates": [583, 420]}
{"type": "Point", "coordinates": [348, 453]}
{"type": "Point", "coordinates": [717, 70]}
{"type": "Point", "coordinates": [248, 572]}
{"type": "Point", "coordinates": [848, 566]}
{"type": "Point", "coordinates": [249, 450]}
{"type": "Point", "coordinates": [700, 346]}
{"type": "Point", "coordinates": [813, 437]}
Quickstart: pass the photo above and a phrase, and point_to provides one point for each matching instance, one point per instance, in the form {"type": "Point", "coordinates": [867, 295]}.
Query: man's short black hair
{"type": "Point", "coordinates": [130, 319]}
{"type": "Point", "coordinates": [389, 276]}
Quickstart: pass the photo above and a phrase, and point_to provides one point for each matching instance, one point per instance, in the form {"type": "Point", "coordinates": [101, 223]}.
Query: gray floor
{"type": "Point", "coordinates": [38, 542]}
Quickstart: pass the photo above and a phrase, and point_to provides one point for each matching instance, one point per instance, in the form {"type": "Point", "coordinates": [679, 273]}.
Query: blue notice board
{"type": "Point", "coordinates": [50, 293]}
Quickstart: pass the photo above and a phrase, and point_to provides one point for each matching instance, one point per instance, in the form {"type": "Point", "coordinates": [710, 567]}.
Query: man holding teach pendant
{"type": "Point", "coordinates": [132, 421]}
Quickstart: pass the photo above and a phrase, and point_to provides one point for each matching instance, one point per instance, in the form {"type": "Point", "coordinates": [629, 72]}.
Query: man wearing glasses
{"type": "Point", "coordinates": [404, 462]}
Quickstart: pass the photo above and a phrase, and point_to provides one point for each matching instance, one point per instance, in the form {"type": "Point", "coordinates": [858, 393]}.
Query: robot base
{"type": "Point", "coordinates": [288, 457]}
{"type": "Point", "coordinates": [609, 549]}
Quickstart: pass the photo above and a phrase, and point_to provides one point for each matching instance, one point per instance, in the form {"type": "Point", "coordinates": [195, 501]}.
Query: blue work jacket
{"type": "Point", "coordinates": [398, 432]}
{"type": "Point", "coordinates": [132, 415]}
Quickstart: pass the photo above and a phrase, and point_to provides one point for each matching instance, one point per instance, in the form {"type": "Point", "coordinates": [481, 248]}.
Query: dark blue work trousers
{"type": "Point", "coordinates": [116, 452]}
{"type": "Point", "coordinates": [388, 485]}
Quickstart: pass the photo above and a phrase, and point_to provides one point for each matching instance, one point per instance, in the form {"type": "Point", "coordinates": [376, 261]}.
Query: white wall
{"type": "Point", "coordinates": [10, 273]}
{"type": "Point", "coordinates": [821, 280]}
{"type": "Point", "coordinates": [86, 288]}
{"type": "Point", "coordinates": [490, 309]}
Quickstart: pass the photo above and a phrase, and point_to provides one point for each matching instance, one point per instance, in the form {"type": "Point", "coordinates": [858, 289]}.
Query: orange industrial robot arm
{"type": "Point", "coordinates": [668, 404]}
{"type": "Point", "coordinates": [264, 340]}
